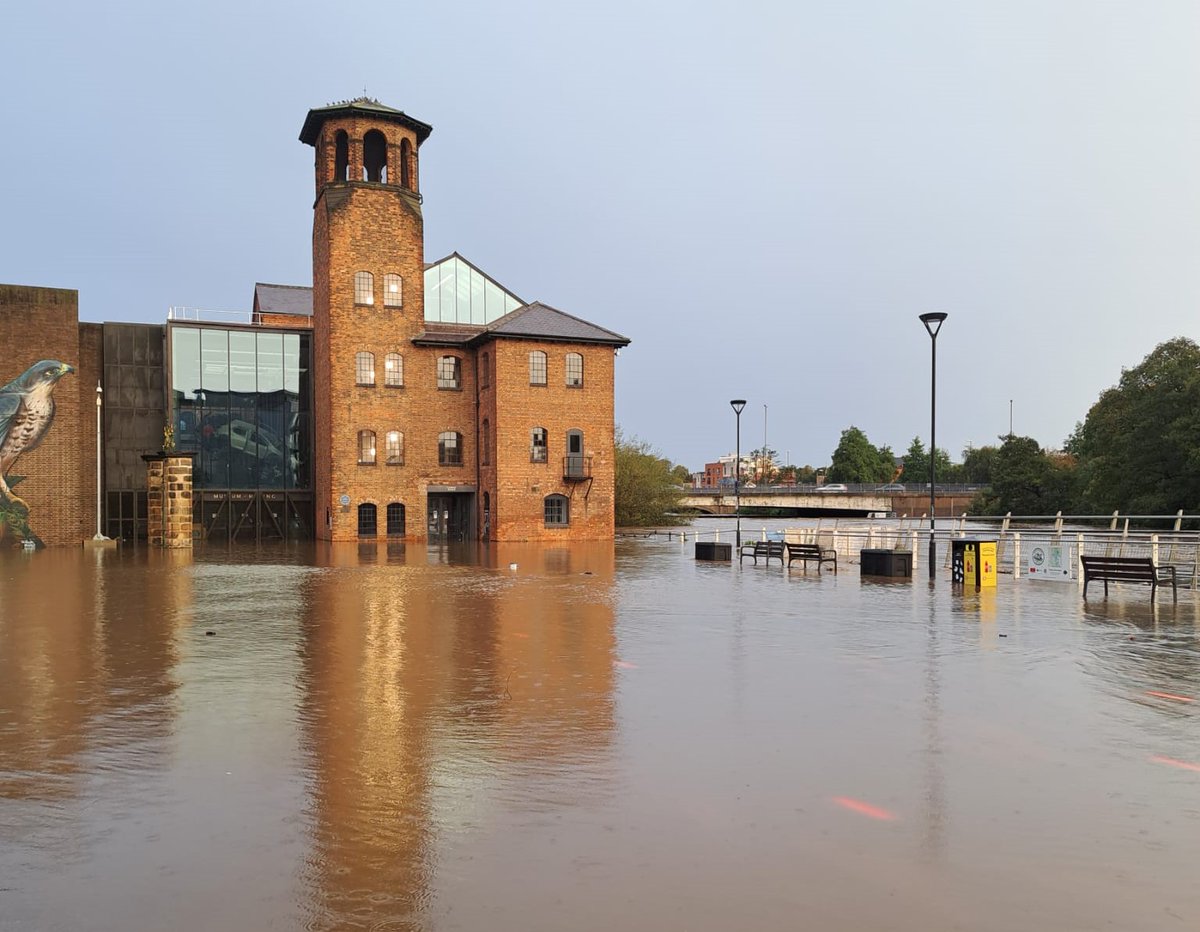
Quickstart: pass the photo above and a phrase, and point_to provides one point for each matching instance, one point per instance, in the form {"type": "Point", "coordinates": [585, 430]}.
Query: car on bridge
{"type": "Point", "coordinates": [892, 487]}
{"type": "Point", "coordinates": [832, 487]}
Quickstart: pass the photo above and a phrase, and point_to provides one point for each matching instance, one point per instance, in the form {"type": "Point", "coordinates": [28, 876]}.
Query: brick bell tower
{"type": "Point", "coordinates": [368, 298]}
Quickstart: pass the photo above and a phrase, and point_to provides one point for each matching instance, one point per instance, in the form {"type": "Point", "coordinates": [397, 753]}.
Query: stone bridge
{"type": "Point", "coordinates": [808, 502]}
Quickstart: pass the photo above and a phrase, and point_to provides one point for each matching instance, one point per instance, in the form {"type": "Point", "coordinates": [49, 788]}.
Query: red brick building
{"type": "Point", "coordinates": [459, 414]}
{"type": "Point", "coordinates": [393, 398]}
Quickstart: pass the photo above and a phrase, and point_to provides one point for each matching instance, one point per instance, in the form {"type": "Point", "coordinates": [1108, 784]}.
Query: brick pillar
{"type": "Point", "coordinates": [169, 499]}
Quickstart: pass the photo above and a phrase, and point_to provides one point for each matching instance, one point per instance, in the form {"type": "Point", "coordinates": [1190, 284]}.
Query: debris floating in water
{"type": "Point", "coordinates": [857, 805]}
{"type": "Point", "coordinates": [1157, 695]}
{"type": "Point", "coordinates": [512, 566]}
{"type": "Point", "coordinates": [1172, 762]}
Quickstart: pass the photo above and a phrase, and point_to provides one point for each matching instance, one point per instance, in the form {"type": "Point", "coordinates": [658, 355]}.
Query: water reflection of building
{"type": "Point", "coordinates": [425, 688]}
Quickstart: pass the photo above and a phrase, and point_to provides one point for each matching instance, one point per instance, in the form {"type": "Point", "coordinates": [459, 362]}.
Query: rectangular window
{"type": "Point", "coordinates": [449, 373]}
{"type": "Point", "coordinates": [537, 368]}
{"type": "Point", "coordinates": [449, 449]}
{"type": "Point", "coordinates": [537, 446]}
{"type": "Point", "coordinates": [364, 368]}
{"type": "Point", "coordinates": [394, 448]}
{"type": "Point", "coordinates": [556, 511]}
{"type": "Point", "coordinates": [392, 295]}
{"type": "Point", "coordinates": [393, 370]}
{"type": "Point", "coordinates": [364, 288]}
{"type": "Point", "coordinates": [574, 370]}
{"type": "Point", "coordinates": [366, 448]}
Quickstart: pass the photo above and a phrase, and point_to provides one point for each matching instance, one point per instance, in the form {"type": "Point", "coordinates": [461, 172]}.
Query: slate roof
{"type": "Point", "coordinates": [283, 299]}
{"type": "Point", "coordinates": [360, 106]}
{"type": "Point", "coordinates": [539, 321]}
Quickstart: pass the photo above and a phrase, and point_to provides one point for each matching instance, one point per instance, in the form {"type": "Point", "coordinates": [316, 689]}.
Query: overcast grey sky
{"type": "Point", "coordinates": [762, 196]}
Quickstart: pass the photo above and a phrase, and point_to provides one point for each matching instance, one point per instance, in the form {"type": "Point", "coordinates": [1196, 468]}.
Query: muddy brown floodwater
{"type": "Point", "coordinates": [599, 737]}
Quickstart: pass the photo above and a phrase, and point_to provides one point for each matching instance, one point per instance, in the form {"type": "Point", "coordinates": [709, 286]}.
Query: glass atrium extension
{"type": "Point", "coordinates": [458, 293]}
{"type": "Point", "coordinates": [242, 401]}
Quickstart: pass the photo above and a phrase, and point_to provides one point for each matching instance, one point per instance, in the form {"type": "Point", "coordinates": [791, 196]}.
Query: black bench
{"type": "Point", "coordinates": [806, 552]}
{"type": "Point", "coordinates": [762, 548]}
{"type": "Point", "coordinates": [1126, 569]}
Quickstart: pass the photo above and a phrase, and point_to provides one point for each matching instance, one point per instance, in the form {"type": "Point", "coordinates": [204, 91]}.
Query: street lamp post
{"type": "Point", "coordinates": [737, 404]}
{"type": "Point", "coordinates": [99, 395]}
{"type": "Point", "coordinates": [933, 323]}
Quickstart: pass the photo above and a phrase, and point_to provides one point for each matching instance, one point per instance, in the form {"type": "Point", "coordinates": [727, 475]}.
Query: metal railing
{"type": "Point", "coordinates": [199, 314]}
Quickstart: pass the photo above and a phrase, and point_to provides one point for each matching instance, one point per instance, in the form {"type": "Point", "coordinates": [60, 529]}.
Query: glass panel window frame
{"type": "Point", "coordinates": [450, 448]}
{"type": "Point", "coordinates": [366, 448]}
{"type": "Point", "coordinates": [574, 371]}
{"type": "Point", "coordinates": [395, 519]}
{"type": "Point", "coordinates": [449, 373]}
{"type": "Point", "coordinates": [538, 445]}
{"type": "Point", "coordinates": [393, 371]}
{"type": "Point", "coordinates": [364, 288]}
{"type": "Point", "coordinates": [557, 511]}
{"type": "Point", "coordinates": [364, 369]}
{"type": "Point", "coordinates": [367, 520]}
{"type": "Point", "coordinates": [393, 290]}
{"type": "Point", "coordinates": [393, 448]}
{"type": "Point", "coordinates": [537, 368]}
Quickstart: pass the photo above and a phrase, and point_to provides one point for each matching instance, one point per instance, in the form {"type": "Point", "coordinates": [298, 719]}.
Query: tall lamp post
{"type": "Point", "coordinates": [933, 323]}
{"type": "Point", "coordinates": [737, 404]}
{"type": "Point", "coordinates": [99, 395]}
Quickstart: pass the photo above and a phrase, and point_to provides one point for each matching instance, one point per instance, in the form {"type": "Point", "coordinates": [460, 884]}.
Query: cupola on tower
{"type": "Point", "coordinates": [368, 294]}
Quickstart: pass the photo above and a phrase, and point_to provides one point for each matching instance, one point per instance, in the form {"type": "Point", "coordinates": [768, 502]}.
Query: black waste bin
{"type": "Point", "coordinates": [714, 550]}
{"type": "Point", "coordinates": [881, 562]}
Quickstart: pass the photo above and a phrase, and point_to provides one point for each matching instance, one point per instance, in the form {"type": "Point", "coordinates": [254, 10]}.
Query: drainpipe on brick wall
{"type": "Point", "coordinates": [478, 450]}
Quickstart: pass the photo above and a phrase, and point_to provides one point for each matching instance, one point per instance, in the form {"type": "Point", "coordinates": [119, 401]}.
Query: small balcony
{"type": "Point", "coordinates": [576, 467]}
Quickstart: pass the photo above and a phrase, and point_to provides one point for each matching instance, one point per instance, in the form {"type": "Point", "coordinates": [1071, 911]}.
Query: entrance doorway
{"type": "Point", "coordinates": [450, 516]}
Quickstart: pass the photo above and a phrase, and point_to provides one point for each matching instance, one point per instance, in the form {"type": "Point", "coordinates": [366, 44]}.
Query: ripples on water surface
{"type": "Point", "coordinates": [605, 737]}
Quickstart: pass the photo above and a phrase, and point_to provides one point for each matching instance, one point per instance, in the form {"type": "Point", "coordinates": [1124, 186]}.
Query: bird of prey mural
{"type": "Point", "coordinates": [26, 413]}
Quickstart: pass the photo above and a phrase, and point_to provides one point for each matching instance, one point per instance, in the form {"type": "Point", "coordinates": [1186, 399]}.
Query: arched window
{"type": "Point", "coordinates": [486, 444]}
{"type": "Point", "coordinates": [393, 448]}
{"type": "Point", "coordinates": [575, 370]}
{"type": "Point", "coordinates": [341, 156]}
{"type": "Point", "coordinates": [537, 368]}
{"type": "Point", "coordinates": [537, 445]}
{"type": "Point", "coordinates": [364, 368]}
{"type": "Point", "coordinates": [406, 164]}
{"type": "Point", "coordinates": [375, 157]}
{"type": "Point", "coordinates": [393, 295]}
{"type": "Point", "coordinates": [449, 372]}
{"type": "Point", "coordinates": [366, 448]}
{"type": "Point", "coordinates": [395, 520]}
{"type": "Point", "coordinates": [393, 370]}
{"type": "Point", "coordinates": [449, 448]}
{"type": "Point", "coordinates": [485, 371]}
{"type": "Point", "coordinates": [574, 465]}
{"type": "Point", "coordinates": [557, 510]}
{"type": "Point", "coordinates": [364, 288]}
{"type": "Point", "coordinates": [366, 520]}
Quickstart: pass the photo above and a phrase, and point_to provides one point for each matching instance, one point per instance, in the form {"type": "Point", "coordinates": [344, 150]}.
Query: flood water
{"type": "Point", "coordinates": [603, 736]}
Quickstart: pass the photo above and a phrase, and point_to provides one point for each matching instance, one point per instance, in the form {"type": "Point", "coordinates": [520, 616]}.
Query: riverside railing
{"type": "Point", "coordinates": [1016, 538]}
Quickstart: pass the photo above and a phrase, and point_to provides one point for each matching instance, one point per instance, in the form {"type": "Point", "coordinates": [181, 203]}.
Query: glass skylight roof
{"type": "Point", "coordinates": [458, 293]}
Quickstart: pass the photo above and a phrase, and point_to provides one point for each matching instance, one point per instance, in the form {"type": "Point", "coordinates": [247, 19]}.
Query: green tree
{"type": "Point", "coordinates": [764, 464]}
{"type": "Point", "coordinates": [648, 492]}
{"type": "Point", "coordinates": [856, 459]}
{"type": "Point", "coordinates": [977, 464]}
{"type": "Point", "coordinates": [1026, 480]}
{"type": "Point", "coordinates": [1138, 450]}
{"type": "Point", "coordinates": [916, 463]}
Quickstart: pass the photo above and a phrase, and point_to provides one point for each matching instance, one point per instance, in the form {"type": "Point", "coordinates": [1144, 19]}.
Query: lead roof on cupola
{"type": "Point", "coordinates": [360, 107]}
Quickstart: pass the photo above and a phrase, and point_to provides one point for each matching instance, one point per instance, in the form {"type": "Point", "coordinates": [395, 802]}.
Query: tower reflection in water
{"type": "Point", "coordinates": [429, 691]}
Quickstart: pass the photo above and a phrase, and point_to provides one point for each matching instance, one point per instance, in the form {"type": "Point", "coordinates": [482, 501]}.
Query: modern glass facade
{"type": "Point", "coordinates": [242, 400]}
{"type": "Point", "coordinates": [458, 293]}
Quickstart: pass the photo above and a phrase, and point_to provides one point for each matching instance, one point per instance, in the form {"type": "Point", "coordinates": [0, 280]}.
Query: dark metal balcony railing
{"type": "Point", "coordinates": [577, 466]}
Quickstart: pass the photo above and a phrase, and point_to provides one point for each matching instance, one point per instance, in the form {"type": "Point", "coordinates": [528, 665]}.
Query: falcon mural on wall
{"type": "Point", "coordinates": [26, 413]}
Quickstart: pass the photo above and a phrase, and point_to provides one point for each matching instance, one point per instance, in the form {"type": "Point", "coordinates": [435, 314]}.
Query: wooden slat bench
{"type": "Point", "coordinates": [762, 548]}
{"type": "Point", "coordinates": [1126, 569]}
{"type": "Point", "coordinates": [806, 552]}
